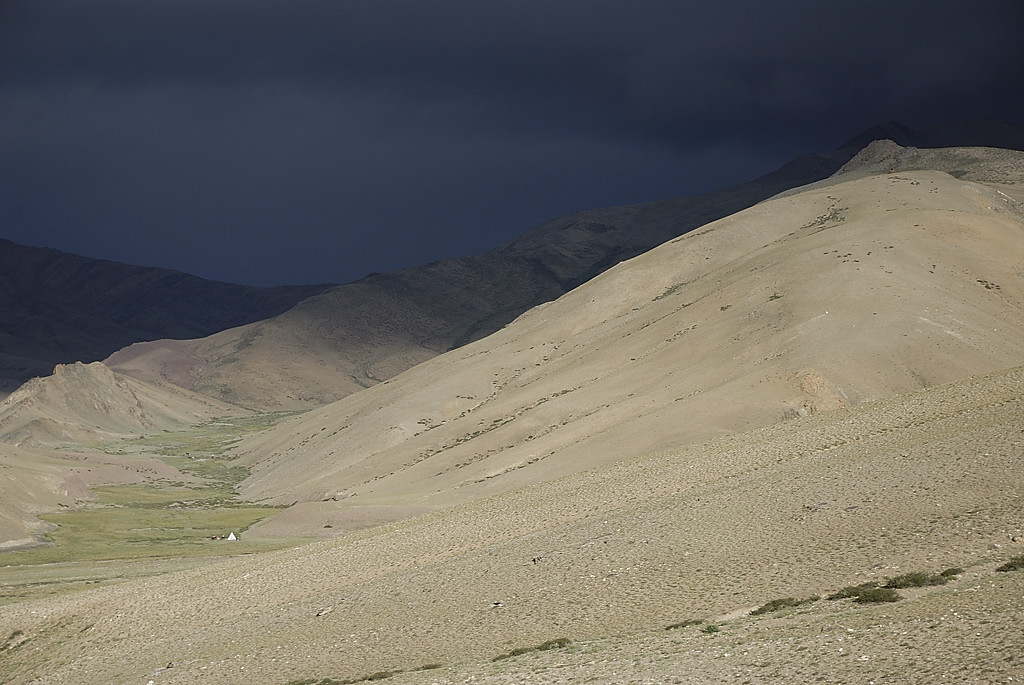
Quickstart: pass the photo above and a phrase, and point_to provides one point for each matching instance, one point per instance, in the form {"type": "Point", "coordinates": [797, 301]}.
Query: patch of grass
{"type": "Point", "coordinates": [211, 438]}
{"type": "Point", "coordinates": [783, 603]}
{"type": "Point", "coordinates": [557, 643]}
{"type": "Point", "coordinates": [160, 519]}
{"type": "Point", "coordinates": [157, 519]}
{"type": "Point", "coordinates": [685, 624]}
{"type": "Point", "coordinates": [916, 579]}
{"type": "Point", "coordinates": [161, 495]}
{"type": "Point", "coordinates": [1014, 564]}
{"type": "Point", "coordinates": [127, 531]}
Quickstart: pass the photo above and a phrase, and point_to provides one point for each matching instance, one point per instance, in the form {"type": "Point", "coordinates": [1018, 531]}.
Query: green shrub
{"type": "Point", "coordinates": [710, 628]}
{"type": "Point", "coordinates": [877, 595]}
{"type": "Point", "coordinates": [783, 603]}
{"type": "Point", "coordinates": [1014, 564]}
{"type": "Point", "coordinates": [916, 579]}
{"type": "Point", "coordinates": [867, 593]}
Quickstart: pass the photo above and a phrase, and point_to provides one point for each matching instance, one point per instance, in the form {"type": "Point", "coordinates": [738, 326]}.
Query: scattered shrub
{"type": "Point", "coordinates": [916, 579]}
{"type": "Point", "coordinates": [1014, 564]}
{"type": "Point", "coordinates": [709, 629]}
{"type": "Point", "coordinates": [867, 593]}
{"type": "Point", "coordinates": [783, 603]}
{"type": "Point", "coordinates": [877, 595]}
{"type": "Point", "coordinates": [951, 572]}
{"type": "Point", "coordinates": [557, 643]}
{"type": "Point", "coordinates": [853, 590]}
{"type": "Point", "coordinates": [685, 624]}
{"type": "Point", "coordinates": [379, 675]}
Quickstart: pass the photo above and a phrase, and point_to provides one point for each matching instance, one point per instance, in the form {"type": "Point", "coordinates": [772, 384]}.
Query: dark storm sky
{"type": "Point", "coordinates": [297, 141]}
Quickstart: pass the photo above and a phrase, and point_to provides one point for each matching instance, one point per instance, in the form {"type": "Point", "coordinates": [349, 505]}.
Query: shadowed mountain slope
{"type": "Point", "coordinates": [819, 300]}
{"type": "Point", "coordinates": [358, 334]}
{"type": "Point", "coordinates": [61, 308]}
{"type": "Point", "coordinates": [607, 559]}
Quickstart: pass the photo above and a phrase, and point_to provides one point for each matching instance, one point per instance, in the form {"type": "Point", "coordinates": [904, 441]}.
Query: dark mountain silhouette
{"type": "Point", "coordinates": [60, 308]}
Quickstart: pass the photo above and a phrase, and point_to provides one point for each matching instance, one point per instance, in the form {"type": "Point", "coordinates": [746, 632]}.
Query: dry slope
{"type": "Point", "coordinates": [89, 403]}
{"type": "Point", "coordinates": [358, 334]}
{"type": "Point", "coordinates": [610, 557]}
{"type": "Point", "coordinates": [818, 300]}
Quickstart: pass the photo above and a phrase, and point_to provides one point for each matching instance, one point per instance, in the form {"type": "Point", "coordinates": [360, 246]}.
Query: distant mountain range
{"type": "Point", "coordinates": [58, 308]}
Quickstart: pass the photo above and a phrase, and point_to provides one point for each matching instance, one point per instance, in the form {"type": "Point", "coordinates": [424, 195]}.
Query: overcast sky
{"type": "Point", "coordinates": [297, 141]}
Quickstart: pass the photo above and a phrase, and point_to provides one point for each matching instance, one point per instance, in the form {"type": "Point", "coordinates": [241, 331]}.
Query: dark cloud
{"type": "Point", "coordinates": [265, 141]}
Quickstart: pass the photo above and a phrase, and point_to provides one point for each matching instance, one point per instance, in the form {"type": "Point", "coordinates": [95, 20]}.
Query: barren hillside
{"type": "Point", "coordinates": [359, 334]}
{"type": "Point", "coordinates": [608, 559]}
{"type": "Point", "coordinates": [356, 335]}
{"type": "Point", "coordinates": [818, 300]}
{"type": "Point", "coordinates": [89, 403]}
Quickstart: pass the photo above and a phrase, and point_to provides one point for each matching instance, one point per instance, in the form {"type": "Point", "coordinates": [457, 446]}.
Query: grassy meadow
{"type": "Point", "coordinates": [150, 527]}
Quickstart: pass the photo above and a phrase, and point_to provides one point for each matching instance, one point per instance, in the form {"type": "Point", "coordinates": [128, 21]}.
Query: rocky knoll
{"type": "Point", "coordinates": [88, 403]}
